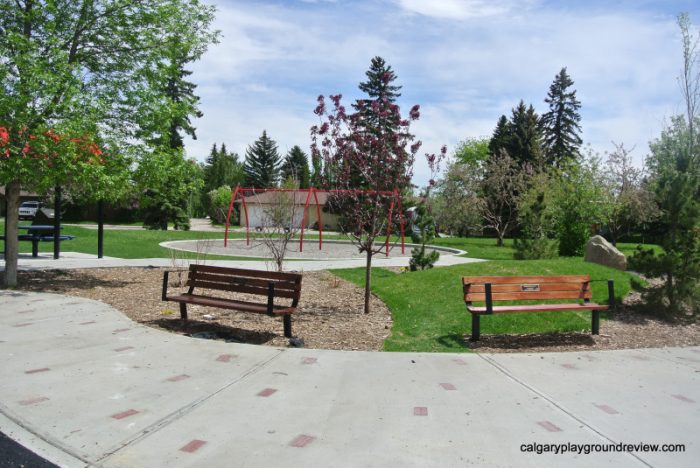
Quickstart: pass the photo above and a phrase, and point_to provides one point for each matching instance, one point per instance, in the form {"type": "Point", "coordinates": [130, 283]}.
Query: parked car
{"type": "Point", "coordinates": [28, 209]}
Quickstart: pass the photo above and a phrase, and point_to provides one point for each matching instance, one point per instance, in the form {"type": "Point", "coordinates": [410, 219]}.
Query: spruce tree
{"type": "Point", "coordinates": [525, 145]}
{"type": "Point", "coordinates": [501, 136]}
{"type": "Point", "coordinates": [380, 77]}
{"type": "Point", "coordinates": [222, 168]}
{"type": "Point", "coordinates": [382, 93]}
{"type": "Point", "coordinates": [560, 124]}
{"type": "Point", "coordinates": [262, 163]}
{"type": "Point", "coordinates": [296, 166]}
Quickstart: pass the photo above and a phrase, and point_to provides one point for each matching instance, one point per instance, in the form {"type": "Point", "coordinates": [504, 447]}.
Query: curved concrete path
{"type": "Point", "coordinates": [83, 385]}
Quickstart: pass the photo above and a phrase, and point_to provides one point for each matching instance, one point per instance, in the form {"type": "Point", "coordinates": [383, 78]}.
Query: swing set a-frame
{"type": "Point", "coordinates": [395, 202]}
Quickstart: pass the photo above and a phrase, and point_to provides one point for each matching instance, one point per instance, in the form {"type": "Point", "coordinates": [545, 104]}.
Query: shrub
{"type": "Point", "coordinates": [220, 200]}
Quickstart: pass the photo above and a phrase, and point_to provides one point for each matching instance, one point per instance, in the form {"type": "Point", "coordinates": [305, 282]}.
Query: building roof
{"type": "Point", "coordinates": [268, 198]}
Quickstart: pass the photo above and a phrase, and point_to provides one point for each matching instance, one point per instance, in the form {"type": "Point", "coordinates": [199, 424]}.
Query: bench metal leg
{"type": "Point", "coordinates": [476, 327]}
{"type": "Point", "coordinates": [287, 319]}
{"type": "Point", "coordinates": [183, 311]}
{"type": "Point", "coordinates": [595, 322]}
{"type": "Point", "coordinates": [35, 247]}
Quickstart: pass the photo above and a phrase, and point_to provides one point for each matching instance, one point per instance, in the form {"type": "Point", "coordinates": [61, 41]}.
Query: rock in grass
{"type": "Point", "coordinates": [600, 251]}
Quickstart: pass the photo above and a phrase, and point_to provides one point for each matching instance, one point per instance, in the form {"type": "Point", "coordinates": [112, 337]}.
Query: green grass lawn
{"type": "Point", "coordinates": [125, 244]}
{"type": "Point", "coordinates": [140, 243]}
{"type": "Point", "coordinates": [430, 315]}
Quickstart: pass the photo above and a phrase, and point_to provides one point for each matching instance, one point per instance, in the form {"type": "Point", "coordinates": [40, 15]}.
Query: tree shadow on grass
{"type": "Point", "coordinates": [212, 331]}
{"type": "Point", "coordinates": [453, 341]}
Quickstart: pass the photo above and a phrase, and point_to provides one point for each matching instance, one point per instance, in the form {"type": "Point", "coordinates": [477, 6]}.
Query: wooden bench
{"type": "Point", "coordinates": [490, 289]}
{"type": "Point", "coordinates": [271, 285]}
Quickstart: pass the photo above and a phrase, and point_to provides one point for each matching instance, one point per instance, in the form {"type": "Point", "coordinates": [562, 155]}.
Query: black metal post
{"type": "Point", "coordinates": [476, 327]}
{"type": "Point", "coordinates": [57, 223]}
{"type": "Point", "coordinates": [489, 298]}
{"type": "Point", "coordinates": [100, 229]}
{"type": "Point", "coordinates": [287, 326]}
{"type": "Point", "coordinates": [611, 294]}
{"type": "Point", "coordinates": [270, 297]}
{"type": "Point", "coordinates": [595, 322]}
{"type": "Point", "coordinates": [183, 312]}
{"type": "Point", "coordinates": [164, 294]}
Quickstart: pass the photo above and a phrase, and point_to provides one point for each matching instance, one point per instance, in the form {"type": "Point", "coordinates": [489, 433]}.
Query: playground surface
{"type": "Point", "coordinates": [309, 250]}
{"type": "Point", "coordinates": [83, 385]}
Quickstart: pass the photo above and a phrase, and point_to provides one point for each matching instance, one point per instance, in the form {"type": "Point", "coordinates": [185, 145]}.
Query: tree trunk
{"type": "Point", "coordinates": [368, 279]}
{"type": "Point", "coordinates": [499, 240]}
{"type": "Point", "coordinates": [11, 243]}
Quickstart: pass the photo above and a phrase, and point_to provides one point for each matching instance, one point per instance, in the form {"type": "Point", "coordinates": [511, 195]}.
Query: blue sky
{"type": "Point", "coordinates": [466, 62]}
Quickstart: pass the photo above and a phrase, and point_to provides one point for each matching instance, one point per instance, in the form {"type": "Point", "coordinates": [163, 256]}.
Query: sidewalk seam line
{"type": "Point", "coordinates": [551, 401]}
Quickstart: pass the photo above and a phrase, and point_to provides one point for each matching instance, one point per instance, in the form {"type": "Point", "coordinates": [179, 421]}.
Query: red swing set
{"type": "Point", "coordinates": [243, 192]}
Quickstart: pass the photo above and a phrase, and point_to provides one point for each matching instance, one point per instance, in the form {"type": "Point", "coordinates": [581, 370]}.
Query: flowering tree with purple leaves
{"type": "Point", "coordinates": [366, 160]}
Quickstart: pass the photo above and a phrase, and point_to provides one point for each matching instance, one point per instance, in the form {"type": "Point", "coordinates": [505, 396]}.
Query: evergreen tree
{"type": "Point", "coordinates": [316, 171]}
{"type": "Point", "coordinates": [382, 93]}
{"type": "Point", "coordinates": [561, 124]}
{"type": "Point", "coordinates": [222, 168]}
{"type": "Point", "coordinates": [501, 136]}
{"type": "Point", "coordinates": [525, 145]}
{"type": "Point", "coordinates": [380, 77]}
{"type": "Point", "coordinates": [262, 163]}
{"type": "Point", "coordinates": [296, 166]}
{"type": "Point", "coordinates": [181, 93]}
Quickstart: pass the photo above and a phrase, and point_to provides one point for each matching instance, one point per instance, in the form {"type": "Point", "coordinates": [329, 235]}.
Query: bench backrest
{"type": "Point", "coordinates": [287, 285]}
{"type": "Point", "coordinates": [524, 288]}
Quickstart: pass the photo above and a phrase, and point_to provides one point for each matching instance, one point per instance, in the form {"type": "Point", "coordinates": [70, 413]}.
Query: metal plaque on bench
{"type": "Point", "coordinates": [530, 287]}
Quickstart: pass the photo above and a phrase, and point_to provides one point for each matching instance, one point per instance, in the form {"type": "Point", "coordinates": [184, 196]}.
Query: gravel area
{"type": "Point", "coordinates": [331, 249]}
{"type": "Point", "coordinates": [330, 315]}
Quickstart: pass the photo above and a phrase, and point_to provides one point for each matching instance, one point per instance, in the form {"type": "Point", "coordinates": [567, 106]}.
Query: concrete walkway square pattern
{"type": "Point", "coordinates": [82, 385]}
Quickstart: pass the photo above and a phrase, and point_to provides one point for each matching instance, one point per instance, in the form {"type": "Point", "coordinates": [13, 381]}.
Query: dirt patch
{"type": "Point", "coordinates": [330, 316]}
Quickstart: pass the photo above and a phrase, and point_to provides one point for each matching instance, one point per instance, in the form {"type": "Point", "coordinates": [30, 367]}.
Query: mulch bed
{"type": "Point", "coordinates": [331, 316]}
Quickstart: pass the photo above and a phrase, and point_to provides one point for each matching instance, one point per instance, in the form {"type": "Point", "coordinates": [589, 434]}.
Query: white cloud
{"type": "Point", "coordinates": [465, 62]}
{"type": "Point", "coordinates": [461, 9]}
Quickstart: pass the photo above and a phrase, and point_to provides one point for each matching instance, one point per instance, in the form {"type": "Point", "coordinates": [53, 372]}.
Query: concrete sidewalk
{"type": "Point", "coordinates": [81, 384]}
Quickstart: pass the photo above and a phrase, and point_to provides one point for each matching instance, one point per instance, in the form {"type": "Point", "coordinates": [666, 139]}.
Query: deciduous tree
{"type": "Point", "coordinates": [384, 158]}
{"type": "Point", "coordinates": [674, 167]}
{"type": "Point", "coordinates": [78, 69]}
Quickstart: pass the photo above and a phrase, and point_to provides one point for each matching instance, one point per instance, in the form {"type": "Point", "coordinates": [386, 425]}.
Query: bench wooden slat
{"type": "Point", "coordinates": [250, 273]}
{"type": "Point", "coordinates": [538, 308]}
{"type": "Point", "coordinates": [530, 288]}
{"type": "Point", "coordinates": [230, 304]}
{"type": "Point", "coordinates": [529, 296]}
{"type": "Point", "coordinates": [280, 285]}
{"type": "Point", "coordinates": [267, 284]}
{"type": "Point", "coordinates": [524, 279]}
{"type": "Point", "coordinates": [232, 287]}
{"type": "Point", "coordinates": [502, 288]}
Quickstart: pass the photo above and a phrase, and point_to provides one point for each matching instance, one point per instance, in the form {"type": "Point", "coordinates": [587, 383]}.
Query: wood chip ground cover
{"type": "Point", "coordinates": [330, 315]}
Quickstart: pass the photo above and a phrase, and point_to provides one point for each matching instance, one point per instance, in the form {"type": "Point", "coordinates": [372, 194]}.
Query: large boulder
{"type": "Point", "coordinates": [600, 251]}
